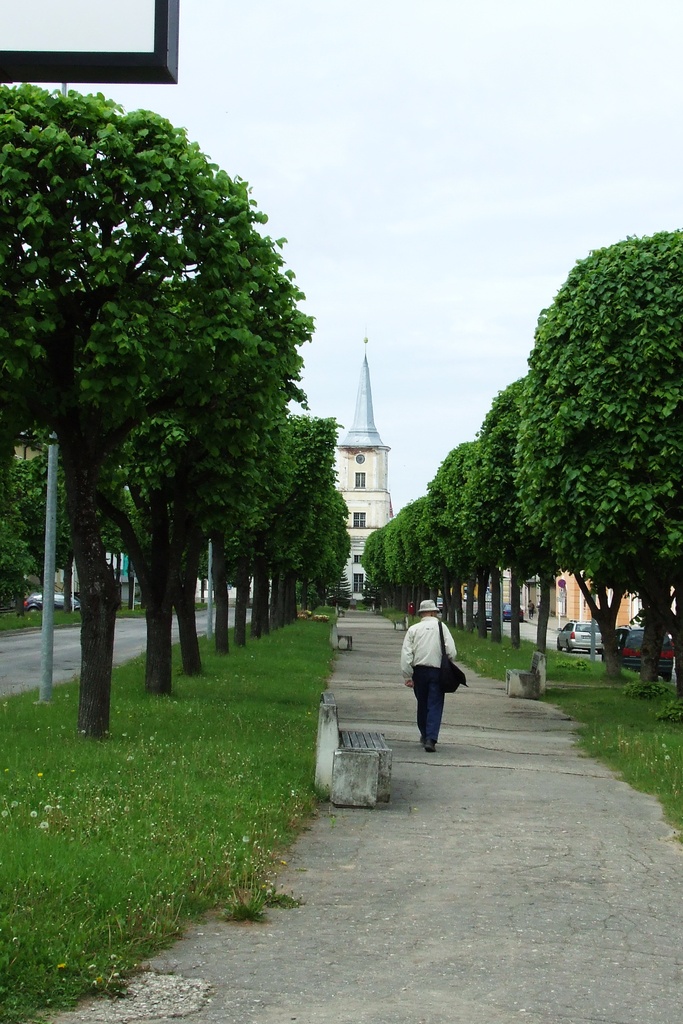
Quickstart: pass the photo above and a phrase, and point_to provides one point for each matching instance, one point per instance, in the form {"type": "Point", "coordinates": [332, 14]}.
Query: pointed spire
{"type": "Point", "coordinates": [363, 433]}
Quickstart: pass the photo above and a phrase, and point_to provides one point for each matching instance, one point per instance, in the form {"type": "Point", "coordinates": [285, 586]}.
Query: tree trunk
{"type": "Point", "coordinates": [154, 575]}
{"type": "Point", "coordinates": [277, 603]}
{"type": "Point", "coordinates": [158, 663]}
{"type": "Point", "coordinates": [496, 617]}
{"type": "Point", "coordinates": [482, 585]}
{"type": "Point", "coordinates": [469, 603]}
{"type": "Point", "coordinates": [660, 597]}
{"type": "Point", "coordinates": [304, 595]}
{"type": "Point", "coordinates": [456, 617]}
{"type": "Point", "coordinates": [653, 636]}
{"type": "Point", "coordinates": [220, 586]}
{"type": "Point", "coordinates": [514, 610]}
{"type": "Point", "coordinates": [604, 610]}
{"type": "Point", "coordinates": [289, 602]}
{"type": "Point", "coordinates": [69, 583]}
{"type": "Point", "coordinates": [97, 589]}
{"type": "Point", "coordinates": [184, 585]}
{"type": "Point", "coordinates": [260, 612]}
{"type": "Point", "coordinates": [545, 583]}
{"type": "Point", "coordinates": [242, 601]}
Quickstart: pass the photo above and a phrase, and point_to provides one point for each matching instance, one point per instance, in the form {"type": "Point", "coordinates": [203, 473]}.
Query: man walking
{"type": "Point", "coordinates": [420, 661]}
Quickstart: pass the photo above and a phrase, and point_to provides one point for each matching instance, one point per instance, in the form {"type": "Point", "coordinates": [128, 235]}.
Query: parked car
{"type": "Point", "coordinates": [507, 613]}
{"type": "Point", "coordinates": [576, 636]}
{"type": "Point", "coordinates": [629, 645]}
{"type": "Point", "coordinates": [34, 603]}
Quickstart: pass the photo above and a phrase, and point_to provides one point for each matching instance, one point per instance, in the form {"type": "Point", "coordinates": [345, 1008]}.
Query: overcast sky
{"type": "Point", "coordinates": [437, 167]}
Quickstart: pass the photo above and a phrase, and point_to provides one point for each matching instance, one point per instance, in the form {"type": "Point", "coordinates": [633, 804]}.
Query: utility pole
{"type": "Point", "coordinates": [47, 635]}
{"type": "Point", "coordinates": [209, 596]}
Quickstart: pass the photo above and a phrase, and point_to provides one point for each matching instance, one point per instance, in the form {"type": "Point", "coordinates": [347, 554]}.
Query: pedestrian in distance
{"type": "Point", "coordinates": [532, 609]}
{"type": "Point", "coordinates": [420, 663]}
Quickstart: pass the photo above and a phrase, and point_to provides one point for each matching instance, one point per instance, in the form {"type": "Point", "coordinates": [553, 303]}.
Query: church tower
{"type": "Point", "coordinates": [363, 479]}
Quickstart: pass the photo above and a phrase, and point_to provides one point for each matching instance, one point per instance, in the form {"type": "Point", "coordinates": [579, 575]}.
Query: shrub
{"type": "Point", "coordinates": [671, 712]}
{"type": "Point", "coordinates": [646, 690]}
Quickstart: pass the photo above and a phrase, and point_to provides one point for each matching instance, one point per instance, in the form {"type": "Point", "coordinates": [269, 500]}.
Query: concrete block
{"type": "Point", "coordinates": [355, 777]}
{"type": "Point", "coordinates": [524, 684]}
{"type": "Point", "coordinates": [384, 776]}
{"type": "Point", "coordinates": [327, 742]}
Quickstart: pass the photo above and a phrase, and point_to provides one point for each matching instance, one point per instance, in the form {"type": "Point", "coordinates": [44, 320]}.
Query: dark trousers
{"type": "Point", "coordinates": [429, 697]}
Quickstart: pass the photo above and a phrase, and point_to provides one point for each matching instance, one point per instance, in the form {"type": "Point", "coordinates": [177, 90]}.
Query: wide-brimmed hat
{"type": "Point", "coordinates": [426, 606]}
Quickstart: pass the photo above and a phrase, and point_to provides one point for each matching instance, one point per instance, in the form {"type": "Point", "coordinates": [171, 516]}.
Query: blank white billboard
{"type": "Point", "coordinates": [95, 26]}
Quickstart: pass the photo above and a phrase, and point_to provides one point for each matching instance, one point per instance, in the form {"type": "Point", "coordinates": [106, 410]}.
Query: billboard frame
{"type": "Point", "coordinates": [150, 67]}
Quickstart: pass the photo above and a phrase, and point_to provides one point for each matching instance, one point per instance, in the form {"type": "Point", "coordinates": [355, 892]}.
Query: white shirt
{"type": "Point", "coordinates": [422, 646]}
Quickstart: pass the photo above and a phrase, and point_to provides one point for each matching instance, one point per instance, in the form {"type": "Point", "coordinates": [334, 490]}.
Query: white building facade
{"type": "Point", "coordinates": [363, 479]}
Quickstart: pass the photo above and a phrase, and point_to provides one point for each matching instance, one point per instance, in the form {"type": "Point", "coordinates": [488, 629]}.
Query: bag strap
{"type": "Point", "coordinates": [443, 642]}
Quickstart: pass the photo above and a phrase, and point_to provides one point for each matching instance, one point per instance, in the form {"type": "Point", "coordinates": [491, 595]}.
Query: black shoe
{"type": "Point", "coordinates": [430, 746]}
{"type": "Point", "coordinates": [423, 739]}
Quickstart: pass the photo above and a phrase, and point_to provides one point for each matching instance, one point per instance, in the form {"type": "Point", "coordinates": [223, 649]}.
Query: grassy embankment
{"type": "Point", "coordinates": [108, 849]}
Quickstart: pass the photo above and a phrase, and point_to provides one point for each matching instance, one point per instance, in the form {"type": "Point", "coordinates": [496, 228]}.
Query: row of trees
{"type": "Point", "coordinates": [149, 323]}
{"type": "Point", "coordinates": [577, 466]}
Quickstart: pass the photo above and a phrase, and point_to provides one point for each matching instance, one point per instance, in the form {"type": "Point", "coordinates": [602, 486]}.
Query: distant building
{"type": "Point", "coordinates": [363, 479]}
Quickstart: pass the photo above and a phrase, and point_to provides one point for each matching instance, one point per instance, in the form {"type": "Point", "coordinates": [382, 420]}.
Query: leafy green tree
{"type": "Point", "coordinates": [126, 261]}
{"type": "Point", "coordinates": [601, 437]}
{"type": "Point", "coordinates": [454, 543]}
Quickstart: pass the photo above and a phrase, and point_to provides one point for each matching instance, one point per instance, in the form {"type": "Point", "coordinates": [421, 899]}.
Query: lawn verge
{"type": "Point", "coordinates": [107, 850]}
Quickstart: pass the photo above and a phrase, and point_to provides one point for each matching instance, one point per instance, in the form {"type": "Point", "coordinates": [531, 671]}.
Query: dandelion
{"type": "Point", "coordinates": [5, 814]}
{"type": "Point", "coordinates": [61, 967]}
{"type": "Point", "coordinates": [40, 775]}
{"type": "Point", "coordinates": [245, 839]}
{"type": "Point", "coordinates": [44, 824]}
{"type": "Point", "coordinates": [15, 803]}
{"type": "Point", "coordinates": [34, 814]}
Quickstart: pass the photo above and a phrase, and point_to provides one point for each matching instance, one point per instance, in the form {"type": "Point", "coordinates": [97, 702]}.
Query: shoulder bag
{"type": "Point", "coordinates": [450, 676]}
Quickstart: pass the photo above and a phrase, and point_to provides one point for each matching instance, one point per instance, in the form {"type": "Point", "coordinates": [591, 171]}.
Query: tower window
{"type": "Point", "coordinates": [356, 559]}
{"type": "Point", "coordinates": [359, 520]}
{"type": "Point", "coordinates": [358, 581]}
{"type": "Point", "coordinates": [360, 479]}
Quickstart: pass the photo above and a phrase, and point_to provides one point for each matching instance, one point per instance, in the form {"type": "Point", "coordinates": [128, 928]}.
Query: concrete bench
{"type": "Point", "coordinates": [342, 641]}
{"type": "Point", "coordinates": [353, 767]}
{"type": "Point", "coordinates": [529, 685]}
{"type": "Point", "coordinates": [401, 623]}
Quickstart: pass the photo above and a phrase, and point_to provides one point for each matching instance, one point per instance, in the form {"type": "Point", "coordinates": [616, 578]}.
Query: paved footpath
{"type": "Point", "coordinates": [509, 879]}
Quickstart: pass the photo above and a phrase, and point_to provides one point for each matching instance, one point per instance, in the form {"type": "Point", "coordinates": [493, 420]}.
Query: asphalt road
{"type": "Point", "coordinates": [20, 652]}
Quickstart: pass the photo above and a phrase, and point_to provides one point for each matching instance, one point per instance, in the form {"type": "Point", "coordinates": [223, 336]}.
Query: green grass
{"type": "Point", "coordinates": [108, 849]}
{"type": "Point", "coordinates": [34, 620]}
